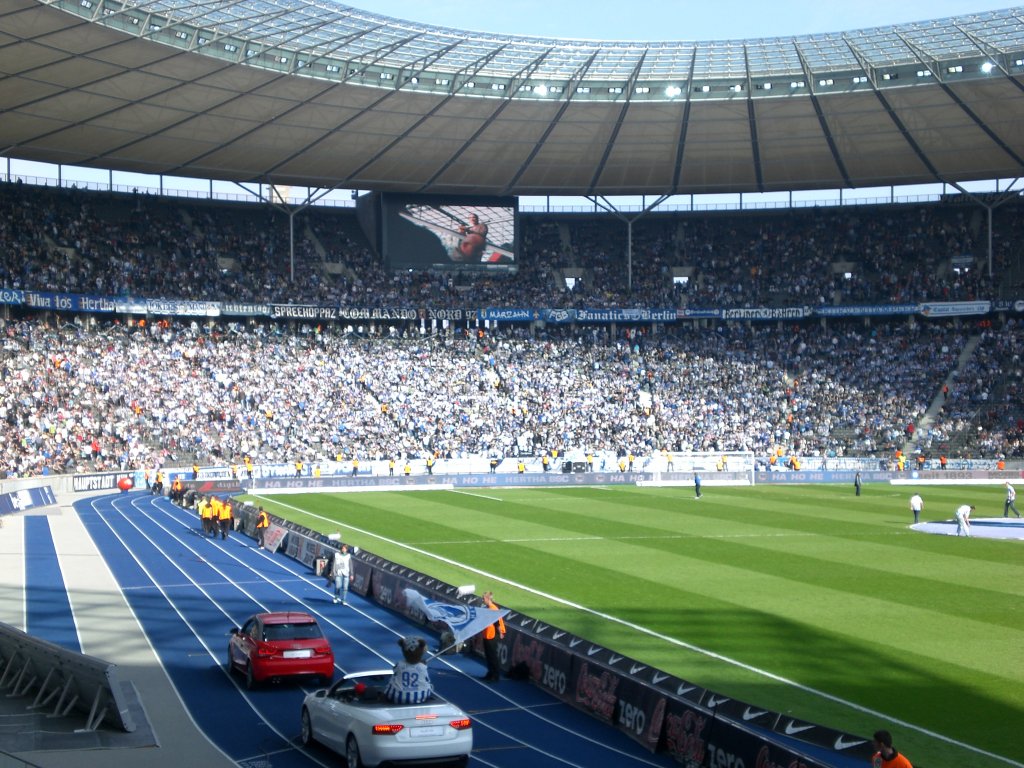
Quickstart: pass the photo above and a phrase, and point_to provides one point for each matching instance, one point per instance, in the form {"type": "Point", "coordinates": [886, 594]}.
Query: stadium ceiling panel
{"type": "Point", "coordinates": [316, 93]}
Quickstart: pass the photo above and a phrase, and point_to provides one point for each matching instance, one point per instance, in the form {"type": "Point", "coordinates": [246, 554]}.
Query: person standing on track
{"type": "Point", "coordinates": [341, 571]}
{"type": "Point", "coordinates": [215, 507]}
{"type": "Point", "coordinates": [225, 517]}
{"type": "Point", "coordinates": [262, 523]}
{"type": "Point", "coordinates": [493, 635]}
{"type": "Point", "coordinates": [206, 514]}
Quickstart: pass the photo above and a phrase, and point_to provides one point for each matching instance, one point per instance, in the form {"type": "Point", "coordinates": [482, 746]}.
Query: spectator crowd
{"type": "Point", "coordinates": [87, 392]}
{"type": "Point", "coordinates": [86, 396]}
{"type": "Point", "coordinates": [109, 244]}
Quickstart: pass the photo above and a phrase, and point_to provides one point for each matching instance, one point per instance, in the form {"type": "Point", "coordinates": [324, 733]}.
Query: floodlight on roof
{"type": "Point", "coordinates": [672, 91]}
{"type": "Point", "coordinates": [541, 90]}
{"type": "Point", "coordinates": [987, 67]}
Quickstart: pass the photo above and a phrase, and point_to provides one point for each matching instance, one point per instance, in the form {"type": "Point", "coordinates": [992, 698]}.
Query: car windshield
{"type": "Point", "coordinates": [367, 689]}
{"type": "Point", "coordinates": [306, 631]}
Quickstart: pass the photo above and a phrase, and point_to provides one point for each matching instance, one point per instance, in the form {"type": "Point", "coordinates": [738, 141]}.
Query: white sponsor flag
{"type": "Point", "coordinates": [466, 621]}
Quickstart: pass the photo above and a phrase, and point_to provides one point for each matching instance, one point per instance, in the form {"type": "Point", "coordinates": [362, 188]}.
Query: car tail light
{"type": "Point", "coordinates": [387, 729]}
{"type": "Point", "coordinates": [461, 724]}
{"type": "Point", "coordinates": [265, 651]}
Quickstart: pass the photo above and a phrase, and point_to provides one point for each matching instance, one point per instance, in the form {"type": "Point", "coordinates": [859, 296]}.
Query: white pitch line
{"type": "Point", "coordinates": [665, 638]}
{"type": "Point", "coordinates": [660, 537]}
{"type": "Point", "coordinates": [478, 495]}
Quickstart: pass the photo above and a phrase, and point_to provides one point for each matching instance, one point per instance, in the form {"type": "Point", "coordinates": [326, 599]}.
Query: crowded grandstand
{"type": "Point", "coordinates": [384, 377]}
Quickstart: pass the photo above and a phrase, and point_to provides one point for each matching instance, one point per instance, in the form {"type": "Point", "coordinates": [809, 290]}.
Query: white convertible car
{"type": "Point", "coordinates": [353, 718]}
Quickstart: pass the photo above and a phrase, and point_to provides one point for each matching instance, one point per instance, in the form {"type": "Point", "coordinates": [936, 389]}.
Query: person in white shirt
{"type": "Point", "coordinates": [916, 506]}
{"type": "Point", "coordinates": [1011, 498]}
{"type": "Point", "coordinates": [963, 519]}
{"type": "Point", "coordinates": [341, 570]}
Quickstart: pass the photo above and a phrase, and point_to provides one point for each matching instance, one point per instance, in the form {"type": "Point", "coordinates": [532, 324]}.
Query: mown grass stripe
{"type": "Point", "coordinates": [821, 590]}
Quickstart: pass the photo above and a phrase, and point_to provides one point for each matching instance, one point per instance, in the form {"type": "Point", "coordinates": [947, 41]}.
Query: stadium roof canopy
{"type": "Point", "coordinates": [313, 93]}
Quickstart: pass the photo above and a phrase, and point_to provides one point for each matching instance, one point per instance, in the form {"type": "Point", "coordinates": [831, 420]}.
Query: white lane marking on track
{"type": "Point", "coordinates": [651, 633]}
{"type": "Point", "coordinates": [199, 638]}
{"type": "Point", "coordinates": [633, 759]}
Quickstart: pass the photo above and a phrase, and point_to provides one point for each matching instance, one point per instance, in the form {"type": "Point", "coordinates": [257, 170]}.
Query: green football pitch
{"type": "Point", "coordinates": [806, 600]}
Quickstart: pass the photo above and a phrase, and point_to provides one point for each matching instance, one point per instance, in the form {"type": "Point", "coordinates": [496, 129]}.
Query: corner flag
{"type": "Point", "coordinates": [465, 621]}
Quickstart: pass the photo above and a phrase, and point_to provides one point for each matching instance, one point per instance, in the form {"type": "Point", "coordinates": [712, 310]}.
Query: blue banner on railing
{"type": "Point", "coordinates": [642, 315]}
{"type": "Point", "coordinates": [509, 314]}
{"type": "Point", "coordinates": [955, 308]}
{"type": "Point", "coordinates": [26, 498]}
{"type": "Point", "coordinates": [244, 309]}
{"type": "Point", "coordinates": [866, 310]}
{"type": "Point", "coordinates": [1008, 305]}
{"type": "Point", "coordinates": [67, 302]}
{"type": "Point", "coordinates": [699, 314]}
{"type": "Point", "coordinates": [767, 313]}
{"type": "Point", "coordinates": [11, 296]}
{"type": "Point", "coordinates": [130, 305]}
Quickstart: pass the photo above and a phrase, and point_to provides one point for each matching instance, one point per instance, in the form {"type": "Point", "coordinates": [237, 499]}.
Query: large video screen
{"type": "Point", "coordinates": [449, 233]}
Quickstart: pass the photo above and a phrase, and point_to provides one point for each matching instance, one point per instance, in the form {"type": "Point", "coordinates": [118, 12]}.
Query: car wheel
{"type": "Point", "coordinates": [306, 734]}
{"type": "Point", "coordinates": [250, 678]}
{"type": "Point", "coordinates": [352, 756]}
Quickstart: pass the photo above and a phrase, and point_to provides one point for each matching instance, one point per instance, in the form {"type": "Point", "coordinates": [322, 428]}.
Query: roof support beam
{"type": "Point", "coordinates": [574, 82]}
{"type": "Point", "coordinates": [521, 76]}
{"type": "Point", "coordinates": [826, 129]}
{"type": "Point", "coordinates": [755, 145]}
{"type": "Point", "coordinates": [634, 75]}
{"type": "Point", "coordinates": [936, 75]}
{"type": "Point", "coordinates": [480, 64]}
{"type": "Point", "coordinates": [677, 173]}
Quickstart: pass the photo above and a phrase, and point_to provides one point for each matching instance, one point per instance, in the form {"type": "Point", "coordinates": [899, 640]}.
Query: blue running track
{"type": "Point", "coordinates": [48, 614]}
{"type": "Point", "coordinates": [188, 591]}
